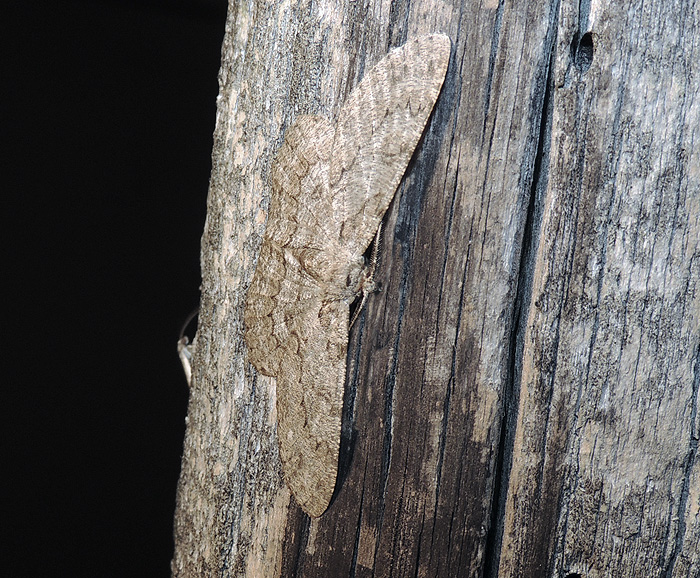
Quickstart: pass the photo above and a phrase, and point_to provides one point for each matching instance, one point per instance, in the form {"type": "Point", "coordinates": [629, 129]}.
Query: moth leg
{"type": "Point", "coordinates": [185, 349]}
{"type": "Point", "coordinates": [367, 285]}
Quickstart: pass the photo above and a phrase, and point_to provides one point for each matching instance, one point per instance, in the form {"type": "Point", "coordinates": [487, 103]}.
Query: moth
{"type": "Point", "coordinates": [331, 184]}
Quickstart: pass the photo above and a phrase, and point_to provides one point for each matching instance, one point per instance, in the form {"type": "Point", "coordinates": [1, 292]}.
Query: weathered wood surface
{"type": "Point", "coordinates": [522, 395]}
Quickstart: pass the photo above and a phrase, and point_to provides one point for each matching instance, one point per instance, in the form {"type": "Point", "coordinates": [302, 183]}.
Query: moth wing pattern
{"type": "Point", "coordinates": [330, 187]}
{"type": "Point", "coordinates": [299, 204]}
{"type": "Point", "coordinates": [301, 214]}
{"type": "Point", "coordinates": [378, 129]}
{"type": "Point", "coordinates": [309, 417]}
{"type": "Point", "coordinates": [291, 332]}
{"type": "Point", "coordinates": [276, 310]}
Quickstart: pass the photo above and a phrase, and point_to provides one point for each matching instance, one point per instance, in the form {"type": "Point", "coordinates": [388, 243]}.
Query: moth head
{"type": "Point", "coordinates": [355, 278]}
{"type": "Point", "coordinates": [347, 281]}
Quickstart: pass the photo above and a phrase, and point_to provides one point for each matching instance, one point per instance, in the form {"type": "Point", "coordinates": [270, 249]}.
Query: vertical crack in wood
{"type": "Point", "coordinates": [584, 11]}
{"type": "Point", "coordinates": [409, 211]}
{"type": "Point", "coordinates": [399, 15]}
{"type": "Point", "coordinates": [303, 543]}
{"type": "Point", "coordinates": [453, 362]}
{"type": "Point", "coordinates": [348, 433]}
{"type": "Point", "coordinates": [511, 393]}
{"type": "Point", "coordinates": [493, 53]}
{"type": "Point", "coordinates": [356, 542]}
{"type": "Point", "coordinates": [687, 473]}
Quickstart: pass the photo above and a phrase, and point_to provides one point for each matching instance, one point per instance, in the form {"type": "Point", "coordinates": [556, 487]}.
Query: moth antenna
{"type": "Point", "coordinates": [375, 249]}
{"type": "Point", "coordinates": [190, 317]}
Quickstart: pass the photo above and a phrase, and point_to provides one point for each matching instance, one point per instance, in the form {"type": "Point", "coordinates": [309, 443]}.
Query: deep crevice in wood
{"type": "Point", "coordinates": [583, 52]}
{"type": "Point", "coordinates": [348, 432]}
{"type": "Point", "coordinates": [511, 392]}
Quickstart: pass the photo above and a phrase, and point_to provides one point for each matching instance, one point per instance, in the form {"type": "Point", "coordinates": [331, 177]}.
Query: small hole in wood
{"type": "Point", "coordinates": [583, 52]}
{"type": "Point", "coordinates": [574, 575]}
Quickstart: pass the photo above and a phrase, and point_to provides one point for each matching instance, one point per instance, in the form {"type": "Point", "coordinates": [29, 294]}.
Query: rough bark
{"type": "Point", "coordinates": [522, 395]}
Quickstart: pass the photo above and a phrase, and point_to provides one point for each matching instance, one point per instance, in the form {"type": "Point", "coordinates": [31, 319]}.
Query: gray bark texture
{"type": "Point", "coordinates": [522, 395]}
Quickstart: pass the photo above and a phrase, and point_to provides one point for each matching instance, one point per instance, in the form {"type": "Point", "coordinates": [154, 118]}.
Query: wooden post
{"type": "Point", "coordinates": [522, 395]}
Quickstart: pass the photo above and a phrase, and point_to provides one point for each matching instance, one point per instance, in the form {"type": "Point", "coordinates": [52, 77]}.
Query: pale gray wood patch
{"type": "Point", "coordinates": [331, 184]}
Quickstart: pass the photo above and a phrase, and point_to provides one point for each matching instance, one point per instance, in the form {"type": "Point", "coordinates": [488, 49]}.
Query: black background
{"type": "Point", "coordinates": [108, 110]}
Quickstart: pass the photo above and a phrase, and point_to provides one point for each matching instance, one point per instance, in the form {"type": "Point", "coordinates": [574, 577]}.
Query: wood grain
{"type": "Point", "coordinates": [522, 395]}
